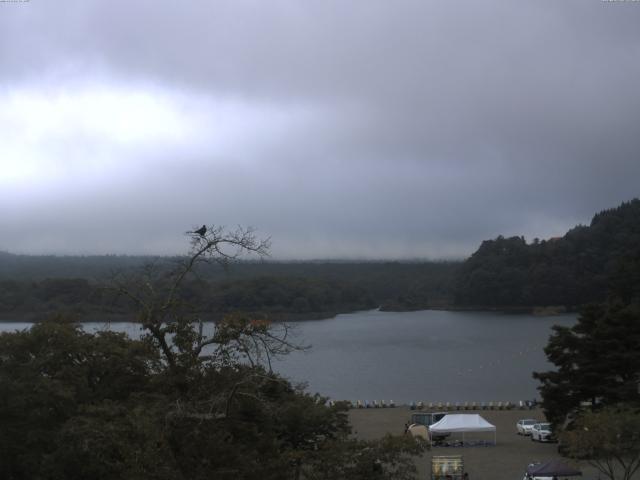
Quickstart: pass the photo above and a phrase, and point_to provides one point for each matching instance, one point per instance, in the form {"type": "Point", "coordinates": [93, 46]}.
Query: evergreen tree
{"type": "Point", "coordinates": [597, 360]}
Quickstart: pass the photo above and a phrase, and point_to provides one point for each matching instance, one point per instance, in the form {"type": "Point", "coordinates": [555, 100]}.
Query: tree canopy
{"type": "Point", "coordinates": [608, 439]}
{"type": "Point", "coordinates": [597, 361]}
{"type": "Point", "coordinates": [182, 402]}
{"type": "Point", "coordinates": [579, 268]}
{"type": "Point", "coordinates": [593, 395]}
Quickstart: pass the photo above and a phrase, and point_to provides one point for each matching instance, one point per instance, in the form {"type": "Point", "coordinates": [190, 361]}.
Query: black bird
{"type": "Point", "coordinates": [201, 231]}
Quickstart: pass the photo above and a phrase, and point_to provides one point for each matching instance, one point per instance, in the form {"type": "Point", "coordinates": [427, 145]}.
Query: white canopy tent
{"type": "Point", "coordinates": [462, 423]}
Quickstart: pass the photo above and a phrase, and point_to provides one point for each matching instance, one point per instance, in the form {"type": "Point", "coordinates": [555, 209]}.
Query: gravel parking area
{"type": "Point", "coordinates": [504, 461]}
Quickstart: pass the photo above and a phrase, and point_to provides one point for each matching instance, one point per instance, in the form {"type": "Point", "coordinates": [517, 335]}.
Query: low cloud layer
{"type": "Point", "coordinates": [406, 129]}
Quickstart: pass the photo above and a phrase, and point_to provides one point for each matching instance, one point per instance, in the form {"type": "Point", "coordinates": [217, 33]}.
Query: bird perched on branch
{"type": "Point", "coordinates": [201, 231]}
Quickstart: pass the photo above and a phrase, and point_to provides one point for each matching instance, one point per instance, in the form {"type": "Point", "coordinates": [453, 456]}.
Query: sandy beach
{"type": "Point", "coordinates": [506, 460]}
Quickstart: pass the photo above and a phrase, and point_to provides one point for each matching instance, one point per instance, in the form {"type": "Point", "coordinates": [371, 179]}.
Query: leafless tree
{"type": "Point", "coordinates": [178, 331]}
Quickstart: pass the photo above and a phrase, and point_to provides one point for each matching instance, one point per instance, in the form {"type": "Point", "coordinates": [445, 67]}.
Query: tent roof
{"type": "Point", "coordinates": [552, 468]}
{"type": "Point", "coordinates": [462, 422]}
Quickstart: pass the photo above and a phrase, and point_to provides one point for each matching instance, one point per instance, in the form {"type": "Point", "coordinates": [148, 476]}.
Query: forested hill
{"type": "Point", "coordinates": [579, 268]}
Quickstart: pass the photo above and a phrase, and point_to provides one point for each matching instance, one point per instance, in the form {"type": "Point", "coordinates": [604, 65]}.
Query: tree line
{"type": "Point", "coordinates": [291, 291]}
{"type": "Point", "coordinates": [570, 271]}
{"type": "Point", "coordinates": [579, 268]}
{"type": "Point", "coordinates": [280, 297]}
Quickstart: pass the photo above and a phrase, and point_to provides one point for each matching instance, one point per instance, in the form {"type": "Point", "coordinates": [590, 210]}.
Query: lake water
{"type": "Point", "coordinates": [410, 356]}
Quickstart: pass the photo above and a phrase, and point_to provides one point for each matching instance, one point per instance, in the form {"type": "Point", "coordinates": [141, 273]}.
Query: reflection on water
{"type": "Point", "coordinates": [410, 356]}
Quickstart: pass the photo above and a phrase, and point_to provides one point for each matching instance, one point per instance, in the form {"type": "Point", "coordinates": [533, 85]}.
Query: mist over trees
{"type": "Point", "coordinates": [579, 268]}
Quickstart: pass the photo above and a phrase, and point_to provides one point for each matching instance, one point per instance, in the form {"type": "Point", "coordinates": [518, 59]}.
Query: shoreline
{"type": "Point", "coordinates": [37, 317]}
{"type": "Point", "coordinates": [101, 317]}
{"type": "Point", "coordinates": [549, 310]}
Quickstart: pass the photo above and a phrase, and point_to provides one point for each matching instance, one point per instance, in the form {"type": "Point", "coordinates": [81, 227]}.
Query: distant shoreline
{"type": "Point", "coordinates": [37, 317]}
{"type": "Point", "coordinates": [549, 310]}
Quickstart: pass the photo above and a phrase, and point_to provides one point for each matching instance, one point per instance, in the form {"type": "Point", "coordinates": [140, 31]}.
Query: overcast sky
{"type": "Point", "coordinates": [366, 129]}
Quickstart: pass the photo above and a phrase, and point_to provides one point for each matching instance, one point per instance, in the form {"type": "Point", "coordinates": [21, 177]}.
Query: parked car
{"type": "Point", "coordinates": [541, 432]}
{"type": "Point", "coordinates": [524, 426]}
{"type": "Point", "coordinates": [427, 418]}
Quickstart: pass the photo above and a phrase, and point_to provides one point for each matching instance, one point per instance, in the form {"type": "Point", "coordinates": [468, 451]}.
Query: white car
{"type": "Point", "coordinates": [524, 426]}
{"type": "Point", "coordinates": [541, 432]}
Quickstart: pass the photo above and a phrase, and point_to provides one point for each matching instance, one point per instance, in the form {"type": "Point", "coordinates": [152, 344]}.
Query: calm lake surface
{"type": "Point", "coordinates": [410, 356]}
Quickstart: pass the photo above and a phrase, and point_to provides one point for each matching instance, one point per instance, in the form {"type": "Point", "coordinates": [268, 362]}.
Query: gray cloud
{"type": "Point", "coordinates": [369, 129]}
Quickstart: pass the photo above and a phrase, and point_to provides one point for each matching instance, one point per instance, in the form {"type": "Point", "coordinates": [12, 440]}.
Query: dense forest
{"type": "Point", "coordinates": [504, 273]}
{"type": "Point", "coordinates": [574, 270]}
{"type": "Point", "coordinates": [35, 287]}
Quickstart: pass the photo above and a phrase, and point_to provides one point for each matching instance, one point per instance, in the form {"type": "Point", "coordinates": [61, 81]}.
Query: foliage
{"type": "Point", "coordinates": [389, 457]}
{"type": "Point", "coordinates": [574, 270]}
{"type": "Point", "coordinates": [49, 375]}
{"type": "Point", "coordinates": [181, 403]}
{"type": "Point", "coordinates": [295, 295]}
{"type": "Point", "coordinates": [608, 439]}
{"type": "Point", "coordinates": [597, 361]}
{"type": "Point", "coordinates": [290, 290]}
{"type": "Point", "coordinates": [593, 396]}
{"type": "Point", "coordinates": [281, 297]}
{"type": "Point", "coordinates": [75, 406]}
